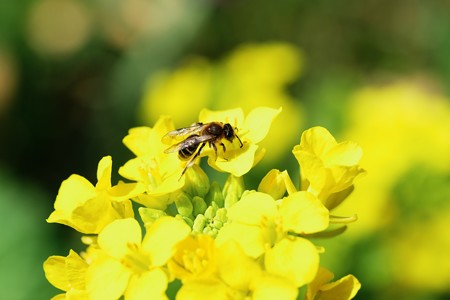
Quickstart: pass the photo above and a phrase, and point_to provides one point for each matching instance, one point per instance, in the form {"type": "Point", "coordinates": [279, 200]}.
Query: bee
{"type": "Point", "coordinates": [196, 136]}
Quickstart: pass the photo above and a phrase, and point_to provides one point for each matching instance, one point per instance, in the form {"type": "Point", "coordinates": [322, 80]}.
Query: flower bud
{"type": "Point", "coordinates": [199, 205]}
{"type": "Point", "coordinates": [215, 194]}
{"type": "Point", "coordinates": [211, 231]}
{"type": "Point", "coordinates": [199, 223]}
{"type": "Point", "coordinates": [273, 184]}
{"type": "Point", "coordinates": [197, 182]}
{"type": "Point", "coordinates": [150, 215]}
{"type": "Point", "coordinates": [211, 211]}
{"type": "Point", "coordinates": [221, 215]}
{"type": "Point", "coordinates": [233, 189]}
{"type": "Point", "coordinates": [184, 205]}
{"type": "Point", "coordinates": [187, 220]}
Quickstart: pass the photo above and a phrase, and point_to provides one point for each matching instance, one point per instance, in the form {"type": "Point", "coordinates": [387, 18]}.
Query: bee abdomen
{"type": "Point", "coordinates": [185, 153]}
{"type": "Point", "coordinates": [189, 148]}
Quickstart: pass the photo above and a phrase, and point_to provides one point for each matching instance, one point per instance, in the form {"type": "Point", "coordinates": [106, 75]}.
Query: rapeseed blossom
{"type": "Point", "coordinates": [239, 161]}
{"type": "Point", "coordinates": [213, 241]}
{"type": "Point", "coordinates": [89, 209]}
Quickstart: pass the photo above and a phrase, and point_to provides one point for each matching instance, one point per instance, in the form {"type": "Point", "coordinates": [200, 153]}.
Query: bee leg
{"type": "Point", "coordinates": [224, 149]}
{"type": "Point", "coordinates": [240, 142]}
{"type": "Point", "coordinates": [213, 145]}
{"type": "Point", "coordinates": [192, 159]}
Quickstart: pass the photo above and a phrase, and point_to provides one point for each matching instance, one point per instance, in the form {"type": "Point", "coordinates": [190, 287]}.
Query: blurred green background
{"type": "Point", "coordinates": [75, 75]}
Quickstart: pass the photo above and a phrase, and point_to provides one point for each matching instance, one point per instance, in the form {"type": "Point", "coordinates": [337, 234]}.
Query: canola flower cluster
{"type": "Point", "coordinates": [208, 241]}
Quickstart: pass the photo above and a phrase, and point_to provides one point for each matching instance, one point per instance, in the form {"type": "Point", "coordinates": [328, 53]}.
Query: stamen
{"type": "Point", "coordinates": [290, 187]}
{"type": "Point", "coordinates": [136, 260]}
{"type": "Point", "coordinates": [343, 220]}
{"type": "Point", "coordinates": [325, 234]}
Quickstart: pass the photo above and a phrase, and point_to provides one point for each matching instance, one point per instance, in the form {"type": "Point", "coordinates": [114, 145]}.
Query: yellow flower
{"type": "Point", "coordinates": [222, 243]}
{"type": "Point", "coordinates": [251, 130]}
{"type": "Point", "coordinates": [67, 274]}
{"type": "Point", "coordinates": [131, 266]}
{"type": "Point", "coordinates": [157, 171]}
{"type": "Point", "coordinates": [327, 167]}
{"type": "Point", "coordinates": [89, 209]}
{"type": "Point", "coordinates": [276, 184]}
{"type": "Point", "coordinates": [342, 289]}
{"type": "Point", "coordinates": [194, 258]}
{"type": "Point", "coordinates": [235, 276]}
{"type": "Point", "coordinates": [261, 226]}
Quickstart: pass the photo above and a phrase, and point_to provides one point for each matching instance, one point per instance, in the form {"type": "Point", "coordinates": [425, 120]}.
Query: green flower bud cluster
{"type": "Point", "coordinates": [201, 204]}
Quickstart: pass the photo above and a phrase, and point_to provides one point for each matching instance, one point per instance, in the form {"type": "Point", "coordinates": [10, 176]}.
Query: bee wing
{"type": "Point", "coordinates": [181, 132]}
{"type": "Point", "coordinates": [197, 139]}
{"type": "Point", "coordinates": [176, 147]}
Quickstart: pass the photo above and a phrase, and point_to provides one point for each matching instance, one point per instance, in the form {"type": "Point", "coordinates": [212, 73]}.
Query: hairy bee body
{"type": "Point", "coordinates": [190, 146]}
{"type": "Point", "coordinates": [196, 136]}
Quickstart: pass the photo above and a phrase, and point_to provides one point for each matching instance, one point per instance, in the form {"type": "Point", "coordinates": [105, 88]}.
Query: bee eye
{"type": "Point", "coordinates": [228, 130]}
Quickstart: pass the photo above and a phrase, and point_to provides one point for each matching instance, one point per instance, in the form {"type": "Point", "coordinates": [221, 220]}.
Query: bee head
{"type": "Point", "coordinates": [228, 132]}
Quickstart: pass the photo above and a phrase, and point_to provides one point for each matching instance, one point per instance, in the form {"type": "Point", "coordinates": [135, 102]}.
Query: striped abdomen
{"type": "Point", "coordinates": [190, 145]}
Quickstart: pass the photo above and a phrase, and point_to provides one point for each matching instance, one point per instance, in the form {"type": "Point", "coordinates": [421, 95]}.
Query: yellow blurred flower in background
{"type": "Point", "coordinates": [399, 126]}
{"type": "Point", "coordinates": [403, 205]}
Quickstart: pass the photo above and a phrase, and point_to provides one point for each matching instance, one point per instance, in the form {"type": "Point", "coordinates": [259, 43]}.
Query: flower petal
{"type": "Point", "coordinates": [162, 237]}
{"type": "Point", "coordinates": [238, 161]}
{"type": "Point", "coordinates": [115, 237]}
{"type": "Point", "coordinates": [92, 216]}
{"type": "Point", "coordinates": [269, 287]}
{"type": "Point", "coordinates": [139, 141]}
{"type": "Point", "coordinates": [106, 279]}
{"type": "Point", "coordinates": [162, 126]}
{"type": "Point", "coordinates": [132, 169]}
{"type": "Point", "coordinates": [250, 238]}
{"type": "Point", "coordinates": [274, 184]}
{"type": "Point", "coordinates": [296, 260]}
{"type": "Point", "coordinates": [148, 285]}
{"type": "Point", "coordinates": [73, 192]}
{"type": "Point", "coordinates": [89, 217]}
{"type": "Point", "coordinates": [258, 123]}
{"type": "Point", "coordinates": [342, 289]}
{"type": "Point", "coordinates": [76, 268]}
{"type": "Point", "coordinates": [123, 191]}
{"type": "Point", "coordinates": [317, 140]}
{"type": "Point", "coordinates": [55, 272]}
{"type": "Point", "coordinates": [104, 170]}
{"type": "Point", "coordinates": [302, 212]}
{"type": "Point", "coordinates": [236, 269]}
{"type": "Point", "coordinates": [233, 116]}
{"type": "Point", "coordinates": [322, 277]}
{"type": "Point", "coordinates": [344, 154]}
{"type": "Point", "coordinates": [253, 208]}
{"type": "Point", "coordinates": [203, 290]}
